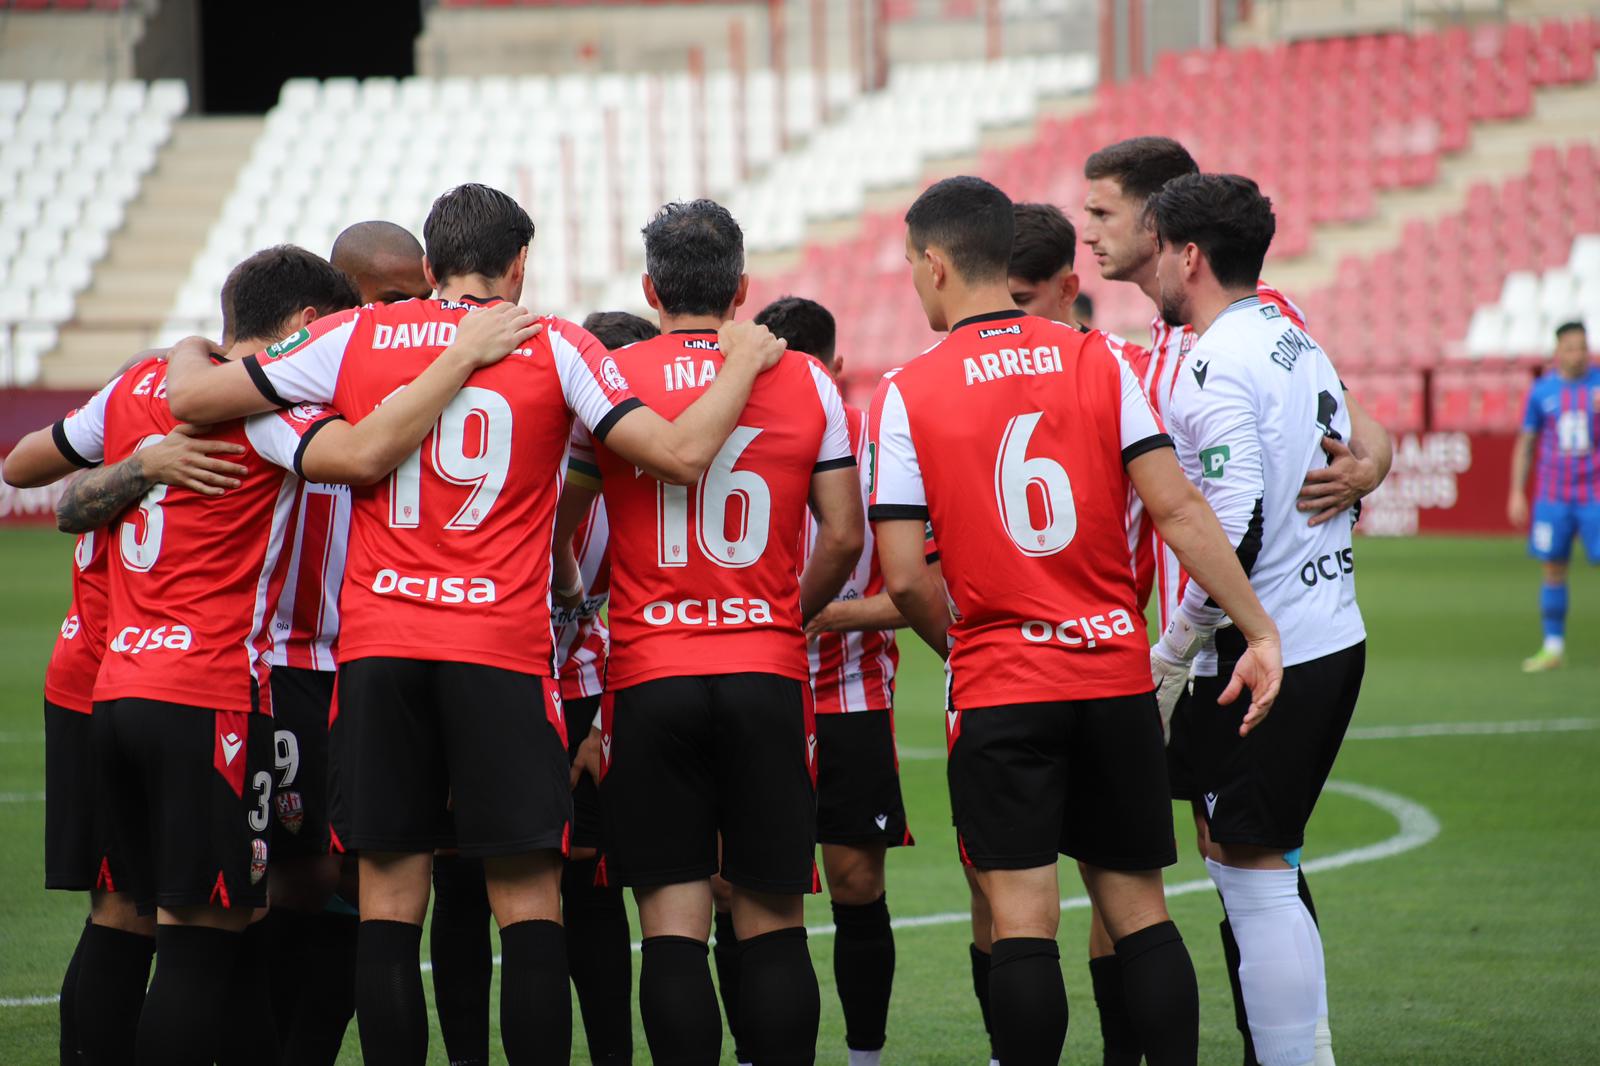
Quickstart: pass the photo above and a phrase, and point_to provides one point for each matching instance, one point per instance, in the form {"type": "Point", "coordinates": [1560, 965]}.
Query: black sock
{"type": "Point", "coordinates": [463, 957]}
{"type": "Point", "coordinates": [726, 955]}
{"type": "Point", "coordinates": [1117, 1033]}
{"type": "Point", "coordinates": [249, 1032]}
{"type": "Point", "coordinates": [535, 1003]}
{"type": "Point", "coordinates": [778, 997]}
{"type": "Point", "coordinates": [287, 943]}
{"type": "Point", "coordinates": [600, 960]}
{"type": "Point", "coordinates": [980, 988]}
{"type": "Point", "coordinates": [183, 1016]}
{"type": "Point", "coordinates": [1305, 894]}
{"type": "Point", "coordinates": [677, 1003]}
{"type": "Point", "coordinates": [328, 992]}
{"type": "Point", "coordinates": [1163, 1001]}
{"type": "Point", "coordinates": [863, 970]}
{"type": "Point", "coordinates": [69, 1003]}
{"type": "Point", "coordinates": [113, 970]}
{"type": "Point", "coordinates": [391, 1014]}
{"type": "Point", "coordinates": [1230, 955]}
{"type": "Point", "coordinates": [1027, 1001]}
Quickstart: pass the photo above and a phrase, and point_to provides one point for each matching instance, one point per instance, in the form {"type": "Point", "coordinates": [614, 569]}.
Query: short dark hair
{"type": "Point", "coordinates": [473, 229]}
{"type": "Point", "coordinates": [618, 329]}
{"type": "Point", "coordinates": [1141, 165]}
{"type": "Point", "coordinates": [971, 220]}
{"type": "Point", "coordinates": [694, 254]}
{"type": "Point", "coordinates": [1083, 307]}
{"type": "Point", "coordinates": [805, 324]}
{"type": "Point", "coordinates": [1225, 215]}
{"type": "Point", "coordinates": [358, 246]}
{"type": "Point", "coordinates": [1570, 327]}
{"type": "Point", "coordinates": [1045, 242]}
{"type": "Point", "coordinates": [272, 286]}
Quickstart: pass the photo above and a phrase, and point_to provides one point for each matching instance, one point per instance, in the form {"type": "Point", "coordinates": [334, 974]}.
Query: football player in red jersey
{"type": "Point", "coordinates": [1039, 431]}
{"type": "Point", "coordinates": [598, 952]}
{"type": "Point", "coordinates": [89, 502]}
{"type": "Point", "coordinates": [181, 684]}
{"type": "Point", "coordinates": [1122, 177]}
{"type": "Point", "coordinates": [708, 727]}
{"type": "Point", "coordinates": [1044, 282]}
{"type": "Point", "coordinates": [450, 729]}
{"type": "Point", "coordinates": [312, 933]}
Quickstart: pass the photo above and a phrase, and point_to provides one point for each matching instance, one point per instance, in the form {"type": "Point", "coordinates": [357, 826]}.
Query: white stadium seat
{"type": "Point", "coordinates": [603, 151]}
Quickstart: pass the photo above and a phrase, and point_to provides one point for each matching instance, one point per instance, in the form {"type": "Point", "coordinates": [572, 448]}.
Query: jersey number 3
{"type": "Point", "coordinates": [1024, 485]}
{"type": "Point", "coordinates": [471, 447]}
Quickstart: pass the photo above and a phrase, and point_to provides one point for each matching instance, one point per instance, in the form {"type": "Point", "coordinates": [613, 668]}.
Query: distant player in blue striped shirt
{"type": "Point", "coordinates": [1563, 419]}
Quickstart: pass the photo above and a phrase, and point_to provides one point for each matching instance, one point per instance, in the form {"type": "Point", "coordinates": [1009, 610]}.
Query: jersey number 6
{"type": "Point", "coordinates": [1019, 479]}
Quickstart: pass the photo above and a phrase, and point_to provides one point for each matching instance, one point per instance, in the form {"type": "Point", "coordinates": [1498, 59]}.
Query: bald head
{"type": "Point", "coordinates": [384, 259]}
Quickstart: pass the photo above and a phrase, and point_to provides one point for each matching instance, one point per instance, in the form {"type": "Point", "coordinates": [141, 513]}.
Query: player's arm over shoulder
{"type": "Point", "coordinates": [302, 367]}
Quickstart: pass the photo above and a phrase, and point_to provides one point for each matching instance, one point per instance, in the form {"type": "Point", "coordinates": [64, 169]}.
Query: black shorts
{"type": "Point", "coordinates": [186, 799]}
{"type": "Point", "coordinates": [300, 700]}
{"type": "Point", "coordinates": [71, 838]}
{"type": "Point", "coordinates": [858, 780]}
{"type": "Point", "coordinates": [586, 823]}
{"type": "Point", "coordinates": [1084, 778]}
{"type": "Point", "coordinates": [428, 755]}
{"type": "Point", "coordinates": [687, 758]}
{"type": "Point", "coordinates": [1180, 768]}
{"type": "Point", "coordinates": [1261, 789]}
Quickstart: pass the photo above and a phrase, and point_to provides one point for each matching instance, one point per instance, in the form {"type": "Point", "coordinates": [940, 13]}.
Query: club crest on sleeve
{"type": "Point", "coordinates": [258, 860]}
{"type": "Point", "coordinates": [291, 809]}
{"type": "Point", "coordinates": [307, 412]}
{"type": "Point", "coordinates": [611, 374]}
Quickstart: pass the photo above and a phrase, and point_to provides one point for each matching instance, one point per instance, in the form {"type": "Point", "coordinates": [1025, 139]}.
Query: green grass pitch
{"type": "Point", "coordinates": [1479, 946]}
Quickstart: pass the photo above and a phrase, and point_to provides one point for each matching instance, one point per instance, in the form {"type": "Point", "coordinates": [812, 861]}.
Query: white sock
{"type": "Point", "coordinates": [864, 1058]}
{"type": "Point", "coordinates": [994, 1062]}
{"type": "Point", "coordinates": [1324, 1042]}
{"type": "Point", "coordinates": [1555, 645]}
{"type": "Point", "coordinates": [1280, 956]}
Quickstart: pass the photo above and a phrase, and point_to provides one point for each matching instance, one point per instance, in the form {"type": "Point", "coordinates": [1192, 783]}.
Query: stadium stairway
{"type": "Point", "coordinates": [149, 256]}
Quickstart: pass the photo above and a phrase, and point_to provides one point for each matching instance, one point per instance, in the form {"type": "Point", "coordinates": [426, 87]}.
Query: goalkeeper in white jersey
{"type": "Point", "coordinates": [1250, 417]}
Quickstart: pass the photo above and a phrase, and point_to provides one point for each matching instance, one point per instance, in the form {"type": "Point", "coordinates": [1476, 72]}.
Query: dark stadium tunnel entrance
{"type": "Point", "coordinates": [248, 50]}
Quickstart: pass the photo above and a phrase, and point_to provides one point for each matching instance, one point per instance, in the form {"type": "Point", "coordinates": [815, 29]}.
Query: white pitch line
{"type": "Point", "coordinates": [1402, 732]}
{"type": "Point", "coordinates": [21, 797]}
{"type": "Point", "coordinates": [1417, 826]}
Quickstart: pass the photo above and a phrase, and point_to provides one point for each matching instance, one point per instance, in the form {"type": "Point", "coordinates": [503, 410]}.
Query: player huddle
{"type": "Point", "coordinates": [614, 607]}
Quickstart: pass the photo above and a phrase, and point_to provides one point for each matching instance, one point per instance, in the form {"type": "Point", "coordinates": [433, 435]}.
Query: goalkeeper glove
{"type": "Point", "coordinates": [1169, 663]}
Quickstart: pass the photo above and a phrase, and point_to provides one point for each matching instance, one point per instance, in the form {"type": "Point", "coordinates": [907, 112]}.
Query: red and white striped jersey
{"type": "Point", "coordinates": [582, 639]}
{"type": "Point", "coordinates": [1169, 348]}
{"type": "Point", "coordinates": [853, 671]}
{"type": "Point", "coordinates": [75, 660]}
{"type": "Point", "coordinates": [305, 624]}
{"type": "Point", "coordinates": [192, 577]}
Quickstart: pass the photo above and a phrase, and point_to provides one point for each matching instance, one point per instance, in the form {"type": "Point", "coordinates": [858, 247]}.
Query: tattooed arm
{"type": "Point", "coordinates": [95, 497]}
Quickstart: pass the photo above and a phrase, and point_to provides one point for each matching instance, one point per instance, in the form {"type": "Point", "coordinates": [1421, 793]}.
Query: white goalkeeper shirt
{"type": "Point", "coordinates": [1248, 416]}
